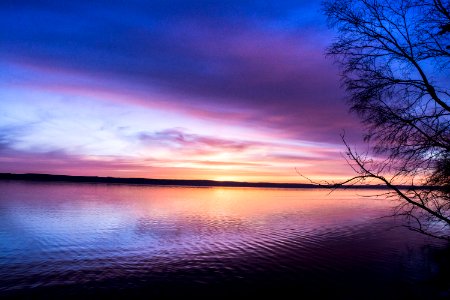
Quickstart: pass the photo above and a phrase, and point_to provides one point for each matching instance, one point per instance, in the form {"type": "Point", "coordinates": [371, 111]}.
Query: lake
{"type": "Point", "coordinates": [64, 239]}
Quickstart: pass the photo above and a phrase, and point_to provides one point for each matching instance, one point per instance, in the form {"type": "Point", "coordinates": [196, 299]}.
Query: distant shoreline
{"type": "Point", "coordinates": [169, 182]}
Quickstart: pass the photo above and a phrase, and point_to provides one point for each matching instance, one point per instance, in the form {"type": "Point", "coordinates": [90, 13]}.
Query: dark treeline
{"type": "Point", "coordinates": [169, 182]}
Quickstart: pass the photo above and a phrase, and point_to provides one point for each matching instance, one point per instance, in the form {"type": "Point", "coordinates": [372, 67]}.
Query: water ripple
{"type": "Point", "coordinates": [128, 237]}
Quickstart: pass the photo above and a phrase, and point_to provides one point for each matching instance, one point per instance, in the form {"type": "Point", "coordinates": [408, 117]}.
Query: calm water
{"type": "Point", "coordinates": [95, 239]}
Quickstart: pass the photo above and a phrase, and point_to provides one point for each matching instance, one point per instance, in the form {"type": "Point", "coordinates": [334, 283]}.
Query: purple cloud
{"type": "Point", "coordinates": [251, 65]}
{"type": "Point", "coordinates": [193, 143]}
{"type": "Point", "coordinates": [212, 58]}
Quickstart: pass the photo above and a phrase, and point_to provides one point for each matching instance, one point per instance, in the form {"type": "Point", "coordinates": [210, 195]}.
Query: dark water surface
{"type": "Point", "coordinates": [61, 240]}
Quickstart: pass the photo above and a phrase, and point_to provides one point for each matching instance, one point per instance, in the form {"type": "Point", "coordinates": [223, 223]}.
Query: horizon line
{"type": "Point", "coordinates": [41, 177]}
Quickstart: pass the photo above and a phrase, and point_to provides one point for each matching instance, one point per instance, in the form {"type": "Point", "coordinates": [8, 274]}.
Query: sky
{"type": "Point", "coordinates": [221, 90]}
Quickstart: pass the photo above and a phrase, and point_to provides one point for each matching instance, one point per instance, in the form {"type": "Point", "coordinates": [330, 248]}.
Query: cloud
{"type": "Point", "coordinates": [255, 68]}
{"type": "Point", "coordinates": [184, 155]}
{"type": "Point", "coordinates": [194, 143]}
{"type": "Point", "coordinates": [261, 64]}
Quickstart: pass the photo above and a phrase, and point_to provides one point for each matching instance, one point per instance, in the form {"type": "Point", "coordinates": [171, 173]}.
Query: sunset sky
{"type": "Point", "coordinates": [222, 90]}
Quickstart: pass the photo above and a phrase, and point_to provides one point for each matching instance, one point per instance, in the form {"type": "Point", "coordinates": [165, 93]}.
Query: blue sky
{"type": "Point", "coordinates": [184, 89]}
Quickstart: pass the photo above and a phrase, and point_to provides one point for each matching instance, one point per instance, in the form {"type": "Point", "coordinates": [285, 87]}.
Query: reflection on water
{"type": "Point", "coordinates": [62, 239]}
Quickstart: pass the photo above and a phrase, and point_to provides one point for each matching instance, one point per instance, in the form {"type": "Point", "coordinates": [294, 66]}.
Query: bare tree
{"type": "Point", "coordinates": [394, 57]}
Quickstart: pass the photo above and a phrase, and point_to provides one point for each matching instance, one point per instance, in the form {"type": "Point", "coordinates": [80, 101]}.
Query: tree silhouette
{"type": "Point", "coordinates": [394, 57]}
